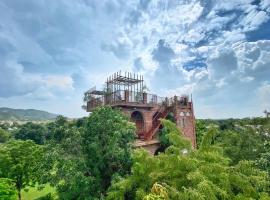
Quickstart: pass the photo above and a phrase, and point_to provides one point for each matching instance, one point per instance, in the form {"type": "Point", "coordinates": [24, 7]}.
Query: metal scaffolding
{"type": "Point", "coordinates": [125, 82]}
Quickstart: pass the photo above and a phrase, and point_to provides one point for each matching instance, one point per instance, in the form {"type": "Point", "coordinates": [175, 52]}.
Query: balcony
{"type": "Point", "coordinates": [126, 98]}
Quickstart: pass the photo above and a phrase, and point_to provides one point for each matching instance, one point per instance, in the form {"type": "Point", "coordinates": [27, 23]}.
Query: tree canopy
{"type": "Point", "coordinates": [20, 162]}
{"type": "Point", "coordinates": [185, 173]}
{"type": "Point", "coordinates": [88, 155]}
{"type": "Point", "coordinates": [7, 189]}
{"type": "Point", "coordinates": [31, 131]}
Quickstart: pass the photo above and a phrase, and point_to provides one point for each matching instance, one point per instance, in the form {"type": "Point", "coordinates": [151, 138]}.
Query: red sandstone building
{"type": "Point", "coordinates": [127, 92]}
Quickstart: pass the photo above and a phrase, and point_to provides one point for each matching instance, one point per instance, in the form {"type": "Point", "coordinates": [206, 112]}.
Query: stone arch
{"type": "Point", "coordinates": [138, 119]}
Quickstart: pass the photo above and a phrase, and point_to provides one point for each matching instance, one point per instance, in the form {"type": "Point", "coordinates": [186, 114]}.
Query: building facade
{"type": "Point", "coordinates": [127, 92]}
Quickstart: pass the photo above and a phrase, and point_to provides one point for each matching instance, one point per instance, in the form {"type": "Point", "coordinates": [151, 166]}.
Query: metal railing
{"type": "Point", "coordinates": [125, 97]}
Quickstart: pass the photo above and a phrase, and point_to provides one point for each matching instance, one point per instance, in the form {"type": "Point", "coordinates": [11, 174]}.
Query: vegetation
{"type": "Point", "coordinates": [20, 162]}
{"type": "Point", "coordinates": [84, 161]}
{"type": "Point", "coordinates": [7, 189]}
{"type": "Point", "coordinates": [245, 139]}
{"type": "Point", "coordinates": [183, 173]}
{"type": "Point", "coordinates": [46, 193]}
{"type": "Point", "coordinates": [4, 135]}
{"type": "Point", "coordinates": [31, 131]}
{"type": "Point", "coordinates": [93, 158]}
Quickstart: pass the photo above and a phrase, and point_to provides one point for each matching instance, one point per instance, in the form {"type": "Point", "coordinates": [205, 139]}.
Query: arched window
{"type": "Point", "coordinates": [182, 122]}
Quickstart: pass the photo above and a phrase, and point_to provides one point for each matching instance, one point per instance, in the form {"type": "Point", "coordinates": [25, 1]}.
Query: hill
{"type": "Point", "coordinates": [10, 114]}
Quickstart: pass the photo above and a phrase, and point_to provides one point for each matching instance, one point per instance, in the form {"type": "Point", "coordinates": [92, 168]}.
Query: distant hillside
{"type": "Point", "coordinates": [10, 114]}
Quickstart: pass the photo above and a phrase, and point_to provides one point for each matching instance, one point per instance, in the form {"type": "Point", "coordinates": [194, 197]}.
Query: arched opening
{"type": "Point", "coordinates": [137, 118]}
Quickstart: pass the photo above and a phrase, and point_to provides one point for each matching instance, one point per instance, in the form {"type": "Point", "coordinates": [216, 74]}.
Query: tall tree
{"type": "Point", "coordinates": [56, 129]}
{"type": "Point", "coordinates": [86, 157]}
{"type": "Point", "coordinates": [107, 142]}
{"type": "Point", "coordinates": [70, 175]}
{"type": "Point", "coordinates": [20, 161]}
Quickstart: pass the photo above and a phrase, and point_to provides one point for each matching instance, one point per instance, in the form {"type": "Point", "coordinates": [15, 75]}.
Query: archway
{"type": "Point", "coordinates": [137, 118]}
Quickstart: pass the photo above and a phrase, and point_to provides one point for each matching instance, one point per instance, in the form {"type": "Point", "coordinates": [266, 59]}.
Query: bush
{"type": "Point", "coordinates": [48, 196]}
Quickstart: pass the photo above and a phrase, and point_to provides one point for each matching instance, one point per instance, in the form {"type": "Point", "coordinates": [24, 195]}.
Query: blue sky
{"type": "Point", "coordinates": [218, 50]}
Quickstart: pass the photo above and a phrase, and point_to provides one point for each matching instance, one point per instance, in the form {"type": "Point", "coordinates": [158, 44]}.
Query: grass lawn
{"type": "Point", "coordinates": [34, 193]}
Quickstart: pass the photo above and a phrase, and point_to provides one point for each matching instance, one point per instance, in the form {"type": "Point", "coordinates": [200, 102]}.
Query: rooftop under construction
{"type": "Point", "coordinates": [122, 88]}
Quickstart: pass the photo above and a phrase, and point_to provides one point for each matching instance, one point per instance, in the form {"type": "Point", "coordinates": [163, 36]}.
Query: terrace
{"type": "Point", "coordinates": [126, 90]}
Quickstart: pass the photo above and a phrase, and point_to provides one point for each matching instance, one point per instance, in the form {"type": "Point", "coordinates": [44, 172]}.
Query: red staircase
{"type": "Point", "coordinates": [162, 113]}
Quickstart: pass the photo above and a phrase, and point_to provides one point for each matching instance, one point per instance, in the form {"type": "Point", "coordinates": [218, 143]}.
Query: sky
{"type": "Point", "coordinates": [217, 50]}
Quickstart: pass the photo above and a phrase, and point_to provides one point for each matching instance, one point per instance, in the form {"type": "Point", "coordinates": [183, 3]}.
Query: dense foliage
{"type": "Point", "coordinates": [20, 161]}
{"type": "Point", "coordinates": [183, 173]}
{"type": "Point", "coordinates": [31, 131]}
{"type": "Point", "coordinates": [241, 139]}
{"type": "Point", "coordinates": [93, 158]}
{"type": "Point", "coordinates": [107, 143]}
{"type": "Point", "coordinates": [87, 154]}
{"type": "Point", "coordinates": [7, 189]}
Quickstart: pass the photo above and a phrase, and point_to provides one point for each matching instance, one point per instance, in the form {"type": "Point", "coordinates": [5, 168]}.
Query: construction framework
{"type": "Point", "coordinates": [127, 81]}
{"type": "Point", "coordinates": [127, 92]}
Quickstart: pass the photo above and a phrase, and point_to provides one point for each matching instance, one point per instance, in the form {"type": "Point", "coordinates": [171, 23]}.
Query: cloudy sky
{"type": "Point", "coordinates": [218, 50]}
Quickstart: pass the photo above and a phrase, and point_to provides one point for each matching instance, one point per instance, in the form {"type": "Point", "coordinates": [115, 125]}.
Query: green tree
{"type": "Point", "coordinates": [7, 189]}
{"type": "Point", "coordinates": [185, 173]}
{"type": "Point", "coordinates": [201, 129]}
{"type": "Point", "coordinates": [20, 161]}
{"type": "Point", "coordinates": [3, 135]}
{"type": "Point", "coordinates": [31, 131]}
{"type": "Point", "coordinates": [70, 175]}
{"type": "Point", "coordinates": [107, 142]}
{"type": "Point", "coordinates": [263, 162]}
{"type": "Point", "coordinates": [87, 156]}
{"type": "Point", "coordinates": [56, 129]}
{"type": "Point", "coordinates": [239, 145]}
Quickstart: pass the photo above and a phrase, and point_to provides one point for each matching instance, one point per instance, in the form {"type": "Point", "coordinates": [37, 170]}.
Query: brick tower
{"type": "Point", "coordinates": [184, 117]}
{"type": "Point", "coordinates": [126, 92]}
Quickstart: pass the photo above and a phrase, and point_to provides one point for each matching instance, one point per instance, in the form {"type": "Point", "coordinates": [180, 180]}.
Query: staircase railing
{"type": "Point", "coordinates": [162, 113]}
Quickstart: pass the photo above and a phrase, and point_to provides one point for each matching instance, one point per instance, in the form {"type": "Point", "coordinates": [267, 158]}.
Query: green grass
{"type": "Point", "coordinates": [34, 193]}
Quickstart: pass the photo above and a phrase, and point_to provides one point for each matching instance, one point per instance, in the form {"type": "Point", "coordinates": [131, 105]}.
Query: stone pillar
{"type": "Point", "coordinates": [145, 98]}
{"type": "Point", "coordinates": [147, 115]}
{"type": "Point", "coordinates": [126, 96]}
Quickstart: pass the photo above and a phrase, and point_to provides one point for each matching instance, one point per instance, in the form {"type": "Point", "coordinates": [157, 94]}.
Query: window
{"type": "Point", "coordinates": [182, 122]}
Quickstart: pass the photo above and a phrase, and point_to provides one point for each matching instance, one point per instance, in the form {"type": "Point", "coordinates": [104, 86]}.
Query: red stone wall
{"type": "Point", "coordinates": [146, 113]}
{"type": "Point", "coordinates": [185, 120]}
{"type": "Point", "coordinates": [183, 114]}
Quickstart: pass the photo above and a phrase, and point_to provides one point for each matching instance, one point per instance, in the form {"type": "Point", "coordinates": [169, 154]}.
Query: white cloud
{"type": "Point", "coordinates": [60, 82]}
{"type": "Point", "coordinates": [69, 46]}
{"type": "Point", "coordinates": [14, 81]}
{"type": "Point", "coordinates": [264, 95]}
{"type": "Point", "coordinates": [265, 4]}
{"type": "Point", "coordinates": [254, 19]}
